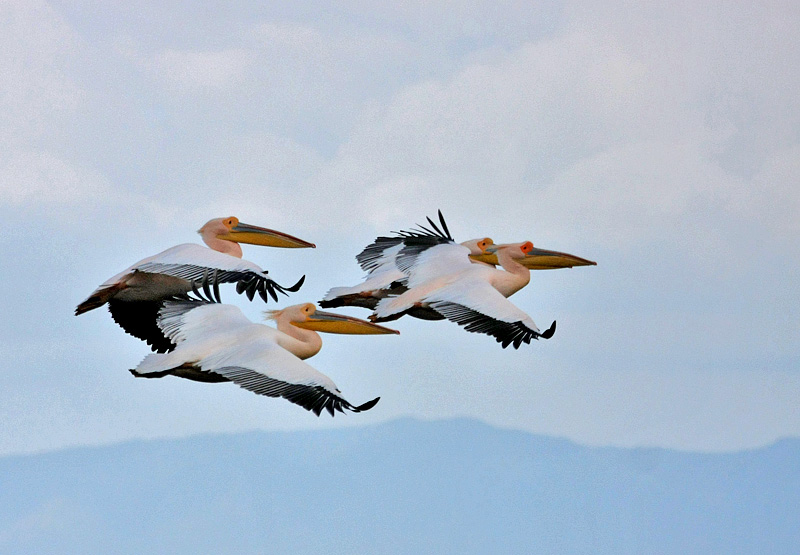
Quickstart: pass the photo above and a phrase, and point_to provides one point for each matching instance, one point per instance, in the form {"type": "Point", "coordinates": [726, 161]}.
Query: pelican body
{"type": "Point", "coordinates": [387, 261]}
{"type": "Point", "coordinates": [216, 343]}
{"type": "Point", "coordinates": [430, 276]}
{"type": "Point", "coordinates": [134, 295]}
{"type": "Point", "coordinates": [473, 296]}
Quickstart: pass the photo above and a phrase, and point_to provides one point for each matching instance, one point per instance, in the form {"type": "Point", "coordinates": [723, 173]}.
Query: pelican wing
{"type": "Point", "coordinates": [437, 262]}
{"type": "Point", "coordinates": [206, 267]}
{"type": "Point", "coordinates": [379, 253]}
{"type": "Point", "coordinates": [366, 294]}
{"type": "Point", "coordinates": [389, 261]}
{"type": "Point", "coordinates": [480, 308]}
{"type": "Point", "coordinates": [260, 365]}
{"type": "Point", "coordinates": [197, 320]}
{"type": "Point", "coordinates": [139, 319]}
{"type": "Point", "coordinates": [402, 249]}
{"type": "Point", "coordinates": [311, 396]}
{"type": "Point", "coordinates": [232, 346]}
{"type": "Point", "coordinates": [185, 268]}
{"type": "Point", "coordinates": [148, 320]}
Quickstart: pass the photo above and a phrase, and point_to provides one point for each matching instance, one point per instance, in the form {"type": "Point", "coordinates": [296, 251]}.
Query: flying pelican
{"type": "Point", "coordinates": [473, 296]}
{"type": "Point", "coordinates": [428, 253]}
{"type": "Point", "coordinates": [134, 295]}
{"type": "Point", "coordinates": [386, 261]}
{"type": "Point", "coordinates": [217, 343]}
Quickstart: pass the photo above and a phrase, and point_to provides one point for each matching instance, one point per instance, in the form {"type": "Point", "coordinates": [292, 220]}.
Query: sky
{"type": "Point", "coordinates": [661, 140]}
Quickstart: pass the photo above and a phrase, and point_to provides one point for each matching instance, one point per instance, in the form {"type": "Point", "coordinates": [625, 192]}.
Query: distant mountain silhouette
{"type": "Point", "coordinates": [455, 486]}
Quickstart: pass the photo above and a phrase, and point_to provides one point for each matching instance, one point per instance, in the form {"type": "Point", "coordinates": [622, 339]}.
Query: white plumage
{"type": "Point", "coordinates": [216, 342]}
{"type": "Point", "coordinates": [389, 260]}
{"type": "Point", "coordinates": [134, 295]}
{"type": "Point", "coordinates": [185, 263]}
{"type": "Point", "coordinates": [472, 295]}
{"type": "Point", "coordinates": [423, 273]}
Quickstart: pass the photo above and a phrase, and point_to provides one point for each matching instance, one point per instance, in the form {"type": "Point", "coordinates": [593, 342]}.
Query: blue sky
{"type": "Point", "coordinates": [662, 141]}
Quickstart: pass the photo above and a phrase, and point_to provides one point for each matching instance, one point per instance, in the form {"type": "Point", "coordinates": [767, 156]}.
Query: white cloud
{"type": "Point", "coordinates": [297, 45]}
{"type": "Point", "coordinates": [775, 192]}
{"type": "Point", "coordinates": [189, 71]}
{"type": "Point", "coordinates": [499, 131]}
{"type": "Point", "coordinates": [36, 90]}
{"type": "Point", "coordinates": [193, 72]}
{"type": "Point", "coordinates": [30, 177]}
{"type": "Point", "coordinates": [631, 194]}
{"type": "Point", "coordinates": [391, 199]}
{"type": "Point", "coordinates": [299, 38]}
{"type": "Point", "coordinates": [583, 129]}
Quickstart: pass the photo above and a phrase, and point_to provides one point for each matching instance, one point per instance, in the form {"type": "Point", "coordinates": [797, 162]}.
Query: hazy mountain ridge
{"type": "Point", "coordinates": [455, 486]}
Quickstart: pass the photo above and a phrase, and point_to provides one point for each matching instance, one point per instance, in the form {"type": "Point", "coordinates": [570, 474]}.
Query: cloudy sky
{"type": "Point", "coordinates": [661, 140]}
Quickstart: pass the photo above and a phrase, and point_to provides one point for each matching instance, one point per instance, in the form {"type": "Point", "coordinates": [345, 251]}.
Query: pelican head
{"type": "Point", "coordinates": [478, 246]}
{"type": "Point", "coordinates": [532, 257]}
{"type": "Point", "coordinates": [308, 317]}
{"type": "Point", "coordinates": [517, 251]}
{"type": "Point", "coordinates": [231, 229]}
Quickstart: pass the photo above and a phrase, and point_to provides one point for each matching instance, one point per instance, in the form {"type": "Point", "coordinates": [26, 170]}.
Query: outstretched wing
{"type": "Point", "coordinates": [182, 269]}
{"type": "Point", "coordinates": [395, 264]}
{"type": "Point", "coordinates": [437, 262]}
{"type": "Point", "coordinates": [148, 320]}
{"type": "Point", "coordinates": [140, 319]}
{"type": "Point", "coordinates": [480, 308]}
{"type": "Point", "coordinates": [194, 320]}
{"type": "Point", "coordinates": [401, 250]}
{"type": "Point", "coordinates": [248, 355]}
{"type": "Point", "coordinates": [206, 268]}
{"type": "Point", "coordinates": [263, 367]}
{"type": "Point", "coordinates": [310, 395]}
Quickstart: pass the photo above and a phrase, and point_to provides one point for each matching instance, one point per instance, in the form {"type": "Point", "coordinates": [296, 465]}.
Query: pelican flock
{"type": "Point", "coordinates": [172, 302]}
{"type": "Point", "coordinates": [433, 278]}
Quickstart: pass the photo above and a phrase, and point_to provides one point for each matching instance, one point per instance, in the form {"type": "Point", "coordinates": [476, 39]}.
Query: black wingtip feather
{"type": "Point", "coordinates": [333, 303]}
{"type": "Point", "coordinates": [366, 406]}
{"type": "Point", "coordinates": [421, 238]}
{"type": "Point", "coordinates": [444, 225]}
{"type": "Point", "coordinates": [296, 287]}
{"type": "Point", "coordinates": [434, 226]}
{"type": "Point", "coordinates": [217, 298]}
{"type": "Point", "coordinates": [550, 331]}
{"type": "Point", "coordinates": [505, 333]}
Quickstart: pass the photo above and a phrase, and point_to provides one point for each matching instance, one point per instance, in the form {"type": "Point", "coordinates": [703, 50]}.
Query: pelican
{"type": "Point", "coordinates": [217, 343]}
{"type": "Point", "coordinates": [387, 261]}
{"type": "Point", "coordinates": [473, 296]}
{"type": "Point", "coordinates": [134, 295]}
{"type": "Point", "coordinates": [428, 253]}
